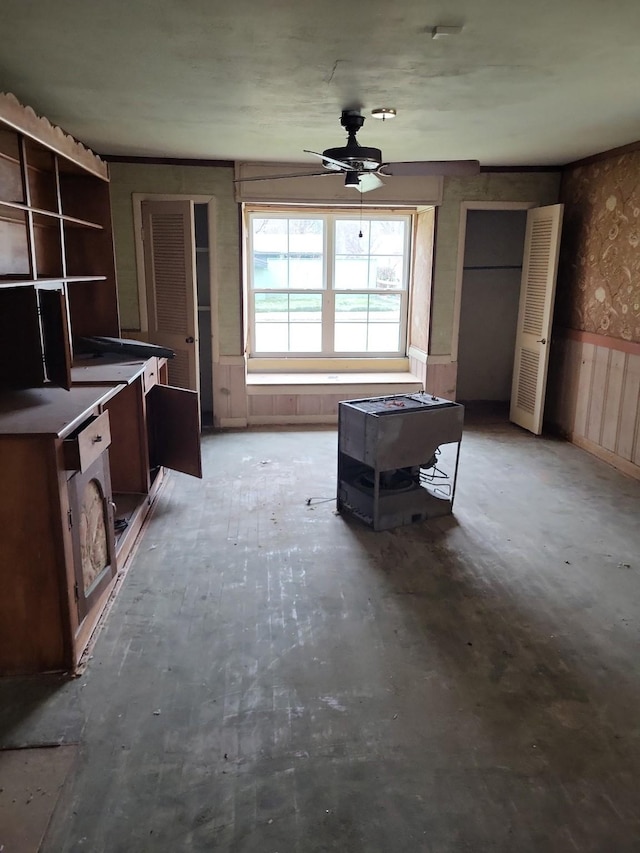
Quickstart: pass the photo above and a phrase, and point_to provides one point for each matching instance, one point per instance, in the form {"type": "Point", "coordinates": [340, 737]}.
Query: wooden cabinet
{"type": "Point", "coordinates": [91, 510]}
{"type": "Point", "coordinates": [84, 442]}
{"type": "Point", "coordinates": [44, 623]}
{"type": "Point", "coordinates": [152, 427]}
{"type": "Point", "coordinates": [80, 470]}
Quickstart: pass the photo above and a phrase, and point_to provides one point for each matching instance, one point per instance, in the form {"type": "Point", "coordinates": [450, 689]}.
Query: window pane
{"type": "Point", "coordinates": [271, 307]}
{"type": "Point", "coordinates": [288, 252]}
{"type": "Point", "coordinates": [384, 307]}
{"type": "Point", "coordinates": [387, 237]}
{"type": "Point", "coordinates": [348, 239]}
{"type": "Point", "coordinates": [373, 261]}
{"type": "Point", "coordinates": [351, 272]}
{"type": "Point", "coordinates": [351, 337]}
{"type": "Point", "coordinates": [386, 273]}
{"type": "Point", "coordinates": [305, 337]}
{"type": "Point", "coordinates": [272, 337]}
{"type": "Point", "coordinates": [351, 307]}
{"type": "Point", "coordinates": [306, 272]}
{"type": "Point", "coordinates": [305, 307]}
{"type": "Point", "coordinates": [383, 337]}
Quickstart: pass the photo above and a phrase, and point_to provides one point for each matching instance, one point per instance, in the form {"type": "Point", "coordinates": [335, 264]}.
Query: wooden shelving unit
{"type": "Point", "coordinates": [83, 442]}
{"type": "Point", "coordinates": [55, 234]}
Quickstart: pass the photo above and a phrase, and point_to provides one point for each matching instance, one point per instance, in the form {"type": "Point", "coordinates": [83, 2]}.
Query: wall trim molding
{"type": "Point", "coordinates": [283, 420]}
{"type": "Point", "coordinates": [233, 423]}
{"type": "Point", "coordinates": [168, 161]}
{"type": "Point", "coordinates": [408, 384]}
{"type": "Point", "coordinates": [426, 358]}
{"type": "Point", "coordinates": [604, 155]}
{"type": "Point", "coordinates": [419, 354]}
{"type": "Point", "coordinates": [521, 168]}
{"type": "Point", "coordinates": [237, 360]}
{"type": "Point", "coordinates": [630, 347]}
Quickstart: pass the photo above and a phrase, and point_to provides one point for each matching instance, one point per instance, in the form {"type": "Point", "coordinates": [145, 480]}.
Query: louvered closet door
{"type": "Point", "coordinates": [537, 294]}
{"type": "Point", "coordinates": [169, 259]}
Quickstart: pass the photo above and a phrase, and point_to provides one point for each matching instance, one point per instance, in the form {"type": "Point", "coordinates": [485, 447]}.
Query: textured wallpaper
{"type": "Point", "coordinates": [599, 275]}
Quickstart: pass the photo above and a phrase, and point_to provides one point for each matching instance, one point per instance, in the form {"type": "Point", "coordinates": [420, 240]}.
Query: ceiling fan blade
{"type": "Point", "coordinates": [430, 167]}
{"type": "Point", "coordinates": [368, 182]}
{"type": "Point", "coordinates": [277, 177]}
{"type": "Point", "coordinates": [338, 163]}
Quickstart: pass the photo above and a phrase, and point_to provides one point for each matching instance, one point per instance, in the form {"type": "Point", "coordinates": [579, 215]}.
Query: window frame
{"type": "Point", "coordinates": [328, 292]}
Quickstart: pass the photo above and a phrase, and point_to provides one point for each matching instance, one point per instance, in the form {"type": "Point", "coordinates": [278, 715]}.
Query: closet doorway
{"type": "Point", "coordinates": [508, 262]}
{"type": "Point", "coordinates": [175, 261]}
{"type": "Point", "coordinates": [489, 293]}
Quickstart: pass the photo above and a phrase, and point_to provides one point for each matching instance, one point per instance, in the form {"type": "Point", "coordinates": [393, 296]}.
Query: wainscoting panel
{"type": "Point", "coordinates": [594, 397]}
{"type": "Point", "coordinates": [295, 408]}
{"type": "Point", "coordinates": [436, 372]}
{"type": "Point", "coordinates": [229, 392]}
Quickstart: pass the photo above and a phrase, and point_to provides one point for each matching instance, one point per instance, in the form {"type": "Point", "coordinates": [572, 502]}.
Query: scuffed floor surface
{"type": "Point", "coordinates": [274, 678]}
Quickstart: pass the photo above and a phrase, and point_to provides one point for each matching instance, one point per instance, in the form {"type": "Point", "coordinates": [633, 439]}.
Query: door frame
{"type": "Point", "coordinates": [210, 201]}
{"type": "Point", "coordinates": [465, 207]}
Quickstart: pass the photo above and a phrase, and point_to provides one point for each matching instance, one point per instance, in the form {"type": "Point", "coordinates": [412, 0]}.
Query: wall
{"type": "Point", "coordinates": [128, 178]}
{"type": "Point", "coordinates": [230, 405]}
{"type": "Point", "coordinates": [539, 187]}
{"type": "Point", "coordinates": [599, 277]}
{"type": "Point", "coordinates": [229, 393]}
{"type": "Point", "coordinates": [594, 381]}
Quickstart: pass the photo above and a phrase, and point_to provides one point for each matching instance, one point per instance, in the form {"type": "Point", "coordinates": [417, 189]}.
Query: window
{"type": "Point", "coordinates": [328, 284]}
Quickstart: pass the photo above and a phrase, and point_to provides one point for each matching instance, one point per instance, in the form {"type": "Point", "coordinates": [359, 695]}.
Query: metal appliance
{"type": "Point", "coordinates": [391, 466]}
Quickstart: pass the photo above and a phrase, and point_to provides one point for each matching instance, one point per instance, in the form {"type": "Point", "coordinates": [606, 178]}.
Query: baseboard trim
{"type": "Point", "coordinates": [227, 423]}
{"type": "Point", "coordinates": [626, 466]}
{"type": "Point", "coordinates": [286, 420]}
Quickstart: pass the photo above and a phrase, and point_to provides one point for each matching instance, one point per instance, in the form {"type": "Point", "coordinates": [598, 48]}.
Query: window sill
{"type": "Point", "coordinates": [350, 383]}
{"type": "Point", "coordinates": [324, 366]}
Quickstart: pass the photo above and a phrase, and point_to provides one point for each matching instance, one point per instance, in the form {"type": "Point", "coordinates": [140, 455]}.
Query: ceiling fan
{"type": "Point", "coordinates": [363, 167]}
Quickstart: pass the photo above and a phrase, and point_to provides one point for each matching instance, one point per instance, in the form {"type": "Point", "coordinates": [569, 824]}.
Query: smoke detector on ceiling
{"type": "Point", "coordinates": [444, 32]}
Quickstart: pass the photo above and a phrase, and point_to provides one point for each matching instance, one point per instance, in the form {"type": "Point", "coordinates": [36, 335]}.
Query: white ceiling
{"type": "Point", "coordinates": [524, 83]}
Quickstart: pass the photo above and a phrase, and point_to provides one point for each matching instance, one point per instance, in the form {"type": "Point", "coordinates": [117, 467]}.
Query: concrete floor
{"type": "Point", "coordinates": [275, 678]}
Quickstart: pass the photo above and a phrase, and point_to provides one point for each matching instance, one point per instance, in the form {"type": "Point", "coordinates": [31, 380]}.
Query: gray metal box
{"type": "Point", "coordinates": [403, 434]}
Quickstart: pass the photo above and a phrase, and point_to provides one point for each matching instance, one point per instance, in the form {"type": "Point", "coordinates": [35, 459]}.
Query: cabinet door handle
{"type": "Point", "coordinates": [189, 340]}
{"type": "Point", "coordinates": [541, 341]}
{"type": "Point", "coordinates": [97, 438]}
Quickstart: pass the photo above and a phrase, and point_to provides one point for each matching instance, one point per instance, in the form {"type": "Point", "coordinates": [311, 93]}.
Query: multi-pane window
{"type": "Point", "coordinates": [328, 284]}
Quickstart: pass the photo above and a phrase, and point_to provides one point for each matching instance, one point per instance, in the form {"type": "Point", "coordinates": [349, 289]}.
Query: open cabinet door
{"type": "Point", "coordinates": [169, 264]}
{"type": "Point", "coordinates": [55, 336]}
{"type": "Point", "coordinates": [535, 315]}
{"type": "Point", "coordinates": [173, 416]}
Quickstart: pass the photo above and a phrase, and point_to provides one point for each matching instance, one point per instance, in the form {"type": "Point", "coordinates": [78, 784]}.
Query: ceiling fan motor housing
{"type": "Point", "coordinates": [359, 157]}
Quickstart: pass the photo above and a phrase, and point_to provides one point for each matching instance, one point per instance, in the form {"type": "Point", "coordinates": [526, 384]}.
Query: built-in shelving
{"type": "Point", "coordinates": [55, 232]}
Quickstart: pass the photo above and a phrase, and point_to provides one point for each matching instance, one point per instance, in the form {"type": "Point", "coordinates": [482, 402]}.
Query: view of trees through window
{"type": "Point", "coordinates": [328, 283]}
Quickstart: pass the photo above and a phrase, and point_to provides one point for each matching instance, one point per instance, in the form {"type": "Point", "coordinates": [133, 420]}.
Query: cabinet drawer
{"type": "Point", "coordinates": [86, 444]}
{"type": "Point", "coordinates": [150, 375]}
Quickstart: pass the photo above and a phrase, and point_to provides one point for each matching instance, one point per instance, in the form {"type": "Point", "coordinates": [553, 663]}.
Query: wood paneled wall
{"type": "Point", "coordinates": [309, 404]}
{"type": "Point", "coordinates": [296, 408]}
{"type": "Point", "coordinates": [437, 373]}
{"type": "Point", "coordinates": [594, 396]}
{"type": "Point", "coordinates": [229, 392]}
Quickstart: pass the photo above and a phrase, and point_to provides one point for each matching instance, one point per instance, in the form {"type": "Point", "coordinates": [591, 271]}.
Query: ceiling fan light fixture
{"type": "Point", "coordinates": [358, 157]}
{"type": "Point", "coordinates": [383, 113]}
{"type": "Point", "coordinates": [352, 179]}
